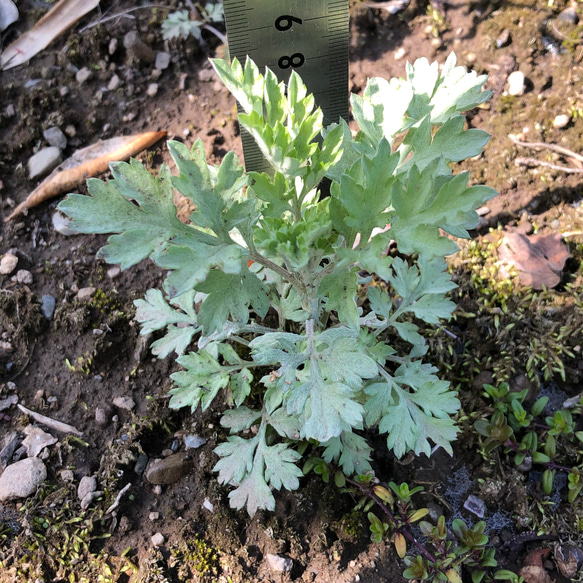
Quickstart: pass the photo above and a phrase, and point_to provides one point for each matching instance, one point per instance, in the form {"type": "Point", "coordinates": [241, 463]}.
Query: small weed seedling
{"type": "Point", "coordinates": [521, 435]}
{"type": "Point", "coordinates": [266, 275]}
{"type": "Point", "coordinates": [180, 24]}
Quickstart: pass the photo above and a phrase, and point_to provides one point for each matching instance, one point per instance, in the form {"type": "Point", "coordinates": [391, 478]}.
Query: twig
{"type": "Point", "coordinates": [119, 15]}
{"type": "Point", "coordinates": [118, 498]}
{"type": "Point", "coordinates": [552, 147]}
{"type": "Point", "coordinates": [535, 162]}
{"type": "Point", "coordinates": [51, 423]}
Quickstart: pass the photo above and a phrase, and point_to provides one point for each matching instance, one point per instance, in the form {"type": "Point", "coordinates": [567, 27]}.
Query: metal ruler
{"type": "Point", "coordinates": [308, 36]}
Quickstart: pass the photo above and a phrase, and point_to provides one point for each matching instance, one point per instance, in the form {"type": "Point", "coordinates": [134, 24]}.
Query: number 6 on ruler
{"type": "Point", "coordinates": [311, 36]}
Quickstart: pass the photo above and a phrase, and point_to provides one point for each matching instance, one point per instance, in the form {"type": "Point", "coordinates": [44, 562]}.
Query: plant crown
{"type": "Point", "coordinates": [266, 276]}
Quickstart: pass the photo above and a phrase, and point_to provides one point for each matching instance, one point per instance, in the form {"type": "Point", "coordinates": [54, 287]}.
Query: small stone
{"type": "Point", "coordinates": [71, 131]}
{"type": "Point", "coordinates": [44, 161]}
{"type": "Point", "coordinates": [61, 224]}
{"type": "Point", "coordinates": [193, 441]}
{"type": "Point", "coordinates": [112, 46]}
{"type": "Point", "coordinates": [141, 464]}
{"type": "Point", "coordinates": [569, 15]}
{"type": "Point", "coordinates": [125, 403]}
{"type": "Point", "coordinates": [206, 75]}
{"type": "Point", "coordinates": [8, 264]}
{"type": "Point", "coordinates": [24, 276]}
{"type": "Point", "coordinates": [85, 294]}
{"type": "Point", "coordinates": [279, 563]}
{"type": "Point", "coordinates": [87, 485]}
{"type": "Point", "coordinates": [162, 61]}
{"type": "Point", "coordinates": [168, 470]}
{"type": "Point", "coordinates": [114, 83]}
{"type": "Point", "coordinates": [63, 91]}
{"type": "Point", "coordinates": [113, 272]}
{"type": "Point", "coordinates": [55, 137]}
{"type": "Point", "coordinates": [504, 39]}
{"type": "Point", "coordinates": [152, 89]}
{"type": "Point", "coordinates": [155, 74]}
{"type": "Point", "coordinates": [21, 479]}
{"type": "Point", "coordinates": [36, 440]}
{"type": "Point", "coordinates": [561, 121]}
{"type": "Point", "coordinates": [475, 505]}
{"type": "Point", "coordinates": [88, 498]}
{"type": "Point", "coordinates": [157, 539]}
{"type": "Point", "coordinates": [67, 476]}
{"type": "Point", "coordinates": [208, 505]}
{"type": "Point", "coordinates": [516, 83]}
{"type": "Point", "coordinates": [47, 306]}
{"type": "Point", "coordinates": [102, 415]}
{"type": "Point", "coordinates": [154, 516]}
{"type": "Point", "coordinates": [400, 53]}
{"type": "Point", "coordinates": [8, 402]}
{"type": "Point", "coordinates": [83, 75]}
{"type": "Point", "coordinates": [10, 111]}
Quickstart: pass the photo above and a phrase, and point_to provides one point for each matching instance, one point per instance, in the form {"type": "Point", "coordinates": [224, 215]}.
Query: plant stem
{"type": "Point", "coordinates": [284, 273]}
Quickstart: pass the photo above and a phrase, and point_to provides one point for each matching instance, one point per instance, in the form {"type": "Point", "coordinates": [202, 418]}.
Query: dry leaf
{"type": "Point", "coordinates": [538, 259]}
{"type": "Point", "coordinates": [58, 19]}
{"type": "Point", "coordinates": [86, 163]}
{"type": "Point", "coordinates": [400, 545]}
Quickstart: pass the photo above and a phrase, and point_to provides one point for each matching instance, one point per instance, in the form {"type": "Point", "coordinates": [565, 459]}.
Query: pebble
{"type": "Point", "coordinates": [516, 83]}
{"type": "Point", "coordinates": [86, 501]}
{"type": "Point", "coordinates": [8, 402]}
{"type": "Point", "coordinates": [168, 470]}
{"type": "Point", "coordinates": [112, 46]}
{"type": "Point", "coordinates": [504, 39]}
{"type": "Point", "coordinates": [141, 464]}
{"type": "Point", "coordinates": [83, 75]}
{"type": "Point", "coordinates": [279, 563]}
{"type": "Point", "coordinates": [102, 415]}
{"type": "Point", "coordinates": [193, 441]}
{"type": "Point", "coordinates": [87, 485]}
{"type": "Point", "coordinates": [55, 137]}
{"type": "Point", "coordinates": [23, 276]}
{"type": "Point", "coordinates": [157, 539]}
{"type": "Point", "coordinates": [569, 15]}
{"type": "Point", "coordinates": [47, 306]}
{"type": "Point", "coordinates": [125, 403]}
{"type": "Point", "coordinates": [113, 272]}
{"type": "Point", "coordinates": [21, 479]}
{"type": "Point", "coordinates": [208, 505]}
{"type": "Point", "coordinates": [400, 53]}
{"type": "Point", "coordinates": [67, 476]}
{"type": "Point", "coordinates": [114, 83]}
{"type": "Point", "coordinates": [206, 75]}
{"type": "Point", "coordinates": [475, 505]}
{"type": "Point", "coordinates": [561, 121]}
{"type": "Point", "coordinates": [71, 131]}
{"type": "Point", "coordinates": [8, 264]}
{"type": "Point", "coordinates": [85, 294]}
{"type": "Point", "coordinates": [154, 516]}
{"type": "Point", "coordinates": [152, 89]}
{"type": "Point", "coordinates": [162, 61]}
{"type": "Point", "coordinates": [61, 224]}
{"type": "Point", "coordinates": [36, 440]}
{"type": "Point", "coordinates": [44, 161]}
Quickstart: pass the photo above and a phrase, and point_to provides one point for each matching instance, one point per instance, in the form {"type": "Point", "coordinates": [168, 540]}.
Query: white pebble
{"type": "Point", "coordinates": [126, 403]}
{"type": "Point", "coordinates": [8, 264]}
{"type": "Point", "coordinates": [24, 276]}
{"type": "Point", "coordinates": [399, 53]}
{"type": "Point", "coordinates": [43, 161]}
{"type": "Point", "coordinates": [561, 121]}
{"type": "Point", "coordinates": [83, 75]}
{"type": "Point", "coordinates": [157, 539]}
{"type": "Point", "coordinates": [152, 89]}
{"type": "Point", "coordinates": [516, 83]}
{"type": "Point", "coordinates": [114, 83]}
{"type": "Point", "coordinates": [162, 61]}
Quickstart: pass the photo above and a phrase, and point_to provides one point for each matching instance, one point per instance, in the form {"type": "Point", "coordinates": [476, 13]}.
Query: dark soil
{"type": "Point", "coordinates": [90, 351]}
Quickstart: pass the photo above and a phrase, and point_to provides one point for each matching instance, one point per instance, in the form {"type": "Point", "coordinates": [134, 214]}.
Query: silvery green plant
{"type": "Point", "coordinates": [263, 283]}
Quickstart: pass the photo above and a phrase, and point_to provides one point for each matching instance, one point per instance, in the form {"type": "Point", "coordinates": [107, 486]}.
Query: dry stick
{"type": "Point", "coordinates": [552, 147]}
{"type": "Point", "coordinates": [51, 423]}
{"type": "Point", "coordinates": [118, 498]}
{"type": "Point", "coordinates": [535, 162]}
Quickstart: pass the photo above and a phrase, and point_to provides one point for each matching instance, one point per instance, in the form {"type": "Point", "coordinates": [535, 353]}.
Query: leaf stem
{"type": "Point", "coordinates": [279, 270]}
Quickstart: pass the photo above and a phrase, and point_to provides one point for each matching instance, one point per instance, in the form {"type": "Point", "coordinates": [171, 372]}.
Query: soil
{"type": "Point", "coordinates": [90, 352]}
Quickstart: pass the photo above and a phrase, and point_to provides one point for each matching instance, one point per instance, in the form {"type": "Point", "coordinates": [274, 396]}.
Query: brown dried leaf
{"type": "Point", "coordinates": [86, 163]}
{"type": "Point", "coordinates": [538, 259]}
{"type": "Point", "coordinates": [61, 17]}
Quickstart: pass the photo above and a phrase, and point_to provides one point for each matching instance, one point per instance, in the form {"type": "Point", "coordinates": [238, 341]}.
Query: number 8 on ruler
{"type": "Point", "coordinates": [310, 36]}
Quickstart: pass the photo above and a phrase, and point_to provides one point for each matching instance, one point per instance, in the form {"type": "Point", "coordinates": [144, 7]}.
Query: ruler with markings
{"type": "Point", "coordinates": [308, 36]}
